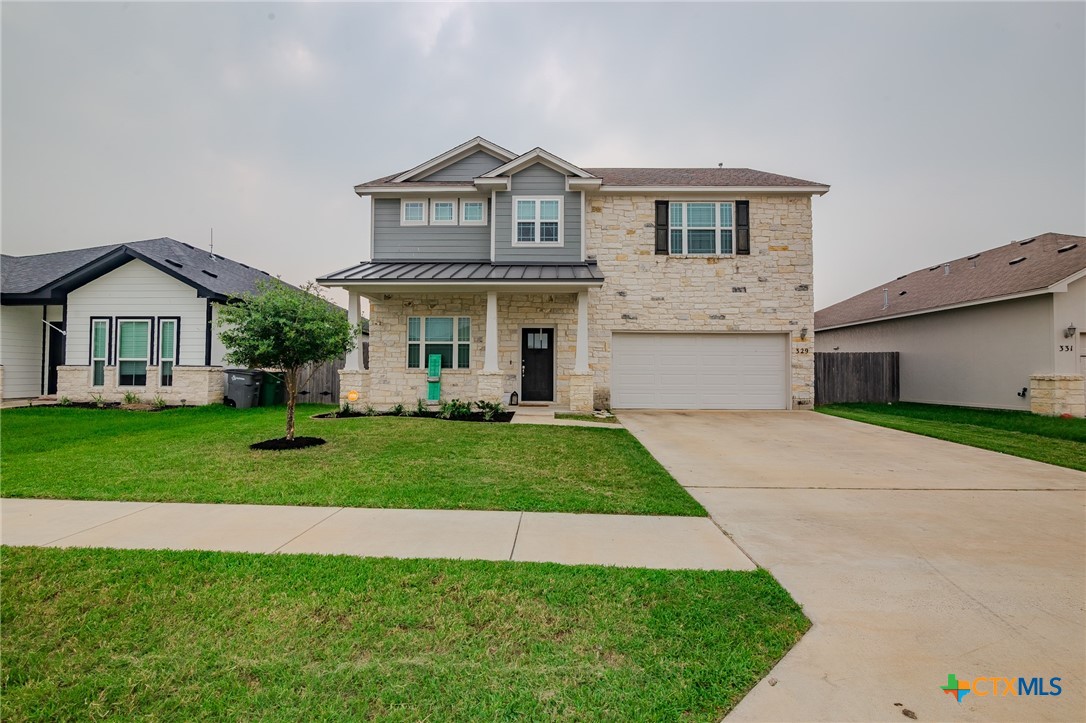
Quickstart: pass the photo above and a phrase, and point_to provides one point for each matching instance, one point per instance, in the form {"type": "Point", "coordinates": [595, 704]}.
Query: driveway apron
{"type": "Point", "coordinates": [914, 558]}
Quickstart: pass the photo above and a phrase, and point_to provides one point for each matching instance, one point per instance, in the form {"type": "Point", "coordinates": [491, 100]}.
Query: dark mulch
{"type": "Point", "coordinates": [118, 405]}
{"type": "Point", "coordinates": [475, 416]}
{"type": "Point", "coordinates": [284, 443]}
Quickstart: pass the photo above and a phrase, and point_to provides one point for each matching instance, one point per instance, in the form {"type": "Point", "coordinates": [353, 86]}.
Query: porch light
{"type": "Point", "coordinates": [803, 333]}
{"type": "Point", "coordinates": [1069, 331]}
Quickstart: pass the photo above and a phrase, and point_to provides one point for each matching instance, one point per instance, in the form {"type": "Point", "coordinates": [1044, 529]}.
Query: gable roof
{"type": "Point", "coordinates": [49, 277]}
{"type": "Point", "coordinates": [609, 178]}
{"type": "Point", "coordinates": [537, 155]}
{"type": "Point", "coordinates": [1033, 265]}
{"type": "Point", "coordinates": [478, 143]}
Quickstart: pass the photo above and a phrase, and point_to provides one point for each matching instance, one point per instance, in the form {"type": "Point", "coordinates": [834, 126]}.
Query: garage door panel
{"type": "Point", "coordinates": [699, 371]}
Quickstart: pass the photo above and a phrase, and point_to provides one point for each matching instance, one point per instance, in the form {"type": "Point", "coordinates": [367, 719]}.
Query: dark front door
{"type": "Point", "coordinates": [56, 355]}
{"type": "Point", "coordinates": [537, 365]}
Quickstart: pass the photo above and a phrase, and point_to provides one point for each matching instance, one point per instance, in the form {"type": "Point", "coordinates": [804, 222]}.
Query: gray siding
{"type": "Point", "coordinates": [436, 243]}
{"type": "Point", "coordinates": [466, 169]}
{"type": "Point", "coordinates": [538, 180]}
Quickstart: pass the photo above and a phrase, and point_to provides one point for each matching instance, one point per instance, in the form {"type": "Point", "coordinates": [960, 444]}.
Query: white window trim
{"type": "Point", "coordinates": [145, 359]}
{"type": "Point", "coordinates": [684, 228]}
{"type": "Point", "coordinates": [104, 359]}
{"type": "Point", "coordinates": [537, 243]}
{"type": "Point", "coordinates": [425, 211]}
{"type": "Point", "coordinates": [176, 350]}
{"type": "Point", "coordinates": [455, 211]}
{"type": "Point", "coordinates": [456, 342]}
{"type": "Point", "coordinates": [463, 203]}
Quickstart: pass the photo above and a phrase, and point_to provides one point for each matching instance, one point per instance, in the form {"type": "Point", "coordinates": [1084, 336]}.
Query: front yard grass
{"type": "Point", "coordinates": [586, 418]}
{"type": "Point", "coordinates": [1045, 439]}
{"type": "Point", "coordinates": [96, 634]}
{"type": "Point", "coordinates": [201, 454]}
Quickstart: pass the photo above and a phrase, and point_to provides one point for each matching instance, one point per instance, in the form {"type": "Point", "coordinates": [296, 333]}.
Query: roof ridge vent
{"type": "Point", "coordinates": [1068, 247]}
{"type": "Point", "coordinates": [171, 262]}
{"type": "Point", "coordinates": [1018, 260]}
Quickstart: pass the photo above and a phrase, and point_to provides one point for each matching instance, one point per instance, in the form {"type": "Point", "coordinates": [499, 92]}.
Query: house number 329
{"type": "Point", "coordinates": [803, 350]}
{"type": "Point", "coordinates": [1067, 347]}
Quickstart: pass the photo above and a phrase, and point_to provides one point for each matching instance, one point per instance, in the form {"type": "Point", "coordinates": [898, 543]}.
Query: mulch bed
{"type": "Point", "coordinates": [284, 443]}
{"type": "Point", "coordinates": [475, 416]}
{"type": "Point", "coordinates": [142, 407]}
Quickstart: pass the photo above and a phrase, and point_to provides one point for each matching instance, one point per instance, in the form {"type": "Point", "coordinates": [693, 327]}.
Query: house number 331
{"type": "Point", "coordinates": [1067, 347]}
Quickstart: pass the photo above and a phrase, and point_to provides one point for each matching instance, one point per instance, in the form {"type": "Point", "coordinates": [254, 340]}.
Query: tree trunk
{"type": "Point", "coordinates": [291, 379]}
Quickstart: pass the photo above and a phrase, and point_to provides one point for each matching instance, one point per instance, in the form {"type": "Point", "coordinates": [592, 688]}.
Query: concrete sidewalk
{"type": "Point", "coordinates": [622, 540]}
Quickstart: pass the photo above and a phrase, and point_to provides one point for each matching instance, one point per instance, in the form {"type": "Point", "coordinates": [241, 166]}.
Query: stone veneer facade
{"type": "Point", "coordinates": [769, 291]}
{"type": "Point", "coordinates": [1057, 394]}
{"type": "Point", "coordinates": [195, 385]}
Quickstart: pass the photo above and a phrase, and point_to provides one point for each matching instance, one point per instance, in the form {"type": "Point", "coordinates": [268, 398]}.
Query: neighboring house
{"type": "Point", "coordinates": [136, 317]}
{"type": "Point", "coordinates": [1003, 328]}
{"type": "Point", "coordinates": [684, 288]}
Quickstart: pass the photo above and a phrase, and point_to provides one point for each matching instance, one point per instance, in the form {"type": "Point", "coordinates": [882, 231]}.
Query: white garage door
{"type": "Point", "coordinates": [699, 371]}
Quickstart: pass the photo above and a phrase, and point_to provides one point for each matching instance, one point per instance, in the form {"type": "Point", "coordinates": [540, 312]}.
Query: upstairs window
{"type": "Point", "coordinates": [538, 221]}
{"type": "Point", "coordinates": [412, 213]}
{"type": "Point", "coordinates": [472, 213]}
{"type": "Point", "coordinates": [701, 227]}
{"type": "Point", "coordinates": [443, 213]}
{"type": "Point", "coordinates": [133, 352]}
{"type": "Point", "coordinates": [449, 336]}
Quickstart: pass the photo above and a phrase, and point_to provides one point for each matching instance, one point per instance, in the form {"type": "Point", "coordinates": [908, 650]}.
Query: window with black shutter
{"type": "Point", "coordinates": [661, 228]}
{"type": "Point", "coordinates": [742, 227]}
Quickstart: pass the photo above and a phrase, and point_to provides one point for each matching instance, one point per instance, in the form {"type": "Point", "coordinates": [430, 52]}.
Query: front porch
{"type": "Point", "coordinates": [492, 343]}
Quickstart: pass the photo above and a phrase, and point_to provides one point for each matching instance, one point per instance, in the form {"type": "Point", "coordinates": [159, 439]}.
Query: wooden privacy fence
{"type": "Point", "coordinates": [856, 376]}
{"type": "Point", "coordinates": [323, 386]}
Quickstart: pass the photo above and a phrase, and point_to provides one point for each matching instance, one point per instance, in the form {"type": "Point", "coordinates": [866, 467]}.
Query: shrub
{"type": "Point", "coordinates": [131, 398]}
{"type": "Point", "coordinates": [370, 411]}
{"type": "Point", "coordinates": [345, 409]}
{"type": "Point", "coordinates": [158, 402]}
{"type": "Point", "coordinates": [421, 408]}
{"type": "Point", "coordinates": [455, 409]}
{"type": "Point", "coordinates": [490, 409]}
{"type": "Point", "coordinates": [397, 409]}
{"type": "Point", "coordinates": [64, 402]}
{"type": "Point", "coordinates": [99, 400]}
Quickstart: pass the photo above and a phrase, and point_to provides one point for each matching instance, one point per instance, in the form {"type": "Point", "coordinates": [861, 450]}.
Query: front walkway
{"type": "Point", "coordinates": [914, 558]}
{"type": "Point", "coordinates": [622, 540]}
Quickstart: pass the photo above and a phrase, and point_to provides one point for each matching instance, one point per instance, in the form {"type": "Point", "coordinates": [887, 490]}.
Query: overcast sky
{"type": "Point", "coordinates": [943, 129]}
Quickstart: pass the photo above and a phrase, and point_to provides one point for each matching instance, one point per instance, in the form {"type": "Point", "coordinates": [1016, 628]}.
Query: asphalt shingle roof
{"type": "Point", "coordinates": [221, 276]}
{"type": "Point", "coordinates": [1015, 268]}
{"type": "Point", "coordinates": [694, 177]}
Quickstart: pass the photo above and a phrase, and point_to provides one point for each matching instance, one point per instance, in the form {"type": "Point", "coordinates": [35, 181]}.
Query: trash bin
{"type": "Point", "coordinates": [242, 388]}
{"type": "Point", "coordinates": [273, 390]}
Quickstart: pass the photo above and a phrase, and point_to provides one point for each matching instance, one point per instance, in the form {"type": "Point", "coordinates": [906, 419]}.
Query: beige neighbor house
{"type": "Point", "coordinates": [684, 288]}
{"type": "Point", "coordinates": [1003, 328]}
{"type": "Point", "coordinates": [135, 317]}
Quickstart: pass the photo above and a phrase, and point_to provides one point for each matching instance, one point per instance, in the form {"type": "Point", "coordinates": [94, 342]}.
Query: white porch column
{"type": "Point", "coordinates": [490, 359]}
{"type": "Point", "coordinates": [581, 364]}
{"type": "Point", "coordinates": [354, 313]}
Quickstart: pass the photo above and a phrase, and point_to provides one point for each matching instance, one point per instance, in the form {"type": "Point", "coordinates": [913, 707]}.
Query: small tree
{"type": "Point", "coordinates": [281, 327]}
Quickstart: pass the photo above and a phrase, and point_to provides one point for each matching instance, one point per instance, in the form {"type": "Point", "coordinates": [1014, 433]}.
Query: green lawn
{"type": "Point", "coordinates": [201, 454]}
{"type": "Point", "coordinates": [93, 634]}
{"type": "Point", "coordinates": [585, 418]}
{"type": "Point", "coordinates": [1045, 439]}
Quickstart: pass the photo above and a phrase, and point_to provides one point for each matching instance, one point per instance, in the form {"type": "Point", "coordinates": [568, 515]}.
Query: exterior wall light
{"type": "Point", "coordinates": [803, 333]}
{"type": "Point", "coordinates": [1069, 331]}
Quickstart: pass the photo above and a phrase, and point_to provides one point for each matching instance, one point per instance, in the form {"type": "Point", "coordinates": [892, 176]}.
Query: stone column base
{"type": "Point", "coordinates": [490, 386]}
{"type": "Point", "coordinates": [1057, 394]}
{"type": "Point", "coordinates": [581, 391]}
{"type": "Point", "coordinates": [357, 381]}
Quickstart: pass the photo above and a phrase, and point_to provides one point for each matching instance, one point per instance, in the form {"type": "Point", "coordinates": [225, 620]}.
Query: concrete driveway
{"type": "Point", "coordinates": [914, 558]}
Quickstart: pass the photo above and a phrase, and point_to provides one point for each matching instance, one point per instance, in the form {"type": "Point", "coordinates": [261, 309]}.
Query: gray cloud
{"type": "Point", "coordinates": [943, 128]}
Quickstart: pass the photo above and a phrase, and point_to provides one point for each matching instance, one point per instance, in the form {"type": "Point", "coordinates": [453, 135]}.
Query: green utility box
{"type": "Point", "coordinates": [433, 378]}
{"type": "Point", "coordinates": [273, 390]}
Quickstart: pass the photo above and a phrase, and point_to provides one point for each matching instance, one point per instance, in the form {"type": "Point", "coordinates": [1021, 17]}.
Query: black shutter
{"type": "Point", "coordinates": [742, 228]}
{"type": "Point", "coordinates": [661, 228]}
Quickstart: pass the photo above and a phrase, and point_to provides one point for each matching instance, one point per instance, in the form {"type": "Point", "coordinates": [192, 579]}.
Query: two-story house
{"type": "Point", "coordinates": [669, 288]}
